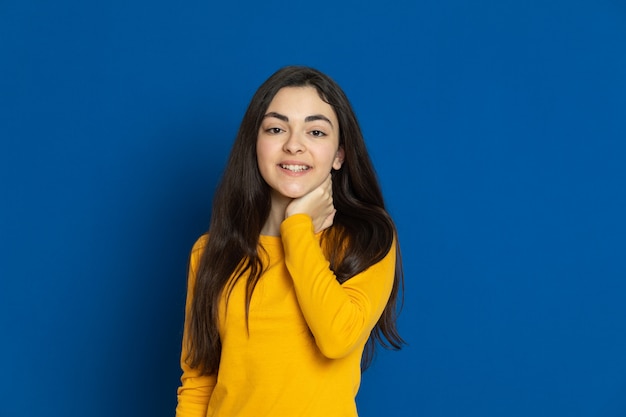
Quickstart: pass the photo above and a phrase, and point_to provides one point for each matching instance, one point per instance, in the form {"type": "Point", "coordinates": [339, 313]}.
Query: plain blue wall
{"type": "Point", "coordinates": [498, 129]}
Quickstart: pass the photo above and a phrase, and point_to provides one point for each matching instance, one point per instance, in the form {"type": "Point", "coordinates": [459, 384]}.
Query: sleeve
{"type": "Point", "coordinates": [196, 389]}
{"type": "Point", "coordinates": [340, 316]}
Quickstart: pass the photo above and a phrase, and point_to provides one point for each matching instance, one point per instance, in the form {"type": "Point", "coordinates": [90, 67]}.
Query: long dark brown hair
{"type": "Point", "coordinates": [361, 235]}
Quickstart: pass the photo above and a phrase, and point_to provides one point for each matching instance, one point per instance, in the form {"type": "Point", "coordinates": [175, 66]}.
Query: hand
{"type": "Point", "coordinates": [318, 204]}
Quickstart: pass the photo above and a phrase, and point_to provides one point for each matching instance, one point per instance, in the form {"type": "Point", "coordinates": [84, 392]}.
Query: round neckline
{"type": "Point", "coordinates": [270, 239]}
{"type": "Point", "coordinates": [278, 239]}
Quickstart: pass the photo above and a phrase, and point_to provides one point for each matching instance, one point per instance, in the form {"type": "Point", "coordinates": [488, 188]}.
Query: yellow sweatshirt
{"type": "Point", "coordinates": [307, 333]}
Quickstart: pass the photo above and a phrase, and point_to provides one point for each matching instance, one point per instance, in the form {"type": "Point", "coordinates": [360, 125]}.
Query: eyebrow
{"type": "Point", "coordinates": [307, 119]}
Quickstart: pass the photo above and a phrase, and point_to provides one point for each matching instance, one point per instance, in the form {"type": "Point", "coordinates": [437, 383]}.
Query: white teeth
{"type": "Point", "coordinates": [295, 168]}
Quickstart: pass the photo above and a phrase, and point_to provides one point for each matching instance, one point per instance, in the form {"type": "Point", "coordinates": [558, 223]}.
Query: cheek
{"type": "Point", "coordinates": [262, 152]}
{"type": "Point", "coordinates": [263, 159]}
{"type": "Point", "coordinates": [333, 158]}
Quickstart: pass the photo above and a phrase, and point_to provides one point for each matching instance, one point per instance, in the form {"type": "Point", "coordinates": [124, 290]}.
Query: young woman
{"type": "Point", "coordinates": [299, 273]}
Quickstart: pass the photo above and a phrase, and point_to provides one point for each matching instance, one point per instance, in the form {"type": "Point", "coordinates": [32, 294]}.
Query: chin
{"type": "Point", "coordinates": [287, 194]}
{"type": "Point", "coordinates": [293, 193]}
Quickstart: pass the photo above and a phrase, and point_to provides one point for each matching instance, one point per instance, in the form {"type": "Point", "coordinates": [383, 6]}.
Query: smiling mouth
{"type": "Point", "coordinates": [295, 168]}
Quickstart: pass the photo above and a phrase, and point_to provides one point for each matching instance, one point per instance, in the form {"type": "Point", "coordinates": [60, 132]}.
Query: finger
{"type": "Point", "coordinates": [328, 221]}
{"type": "Point", "coordinates": [328, 185]}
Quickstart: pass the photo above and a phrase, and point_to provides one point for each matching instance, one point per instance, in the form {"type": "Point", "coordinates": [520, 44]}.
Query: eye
{"type": "Point", "coordinates": [273, 130]}
{"type": "Point", "coordinates": [318, 133]}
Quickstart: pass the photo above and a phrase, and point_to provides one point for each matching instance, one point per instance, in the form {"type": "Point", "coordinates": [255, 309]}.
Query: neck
{"type": "Point", "coordinates": [276, 217]}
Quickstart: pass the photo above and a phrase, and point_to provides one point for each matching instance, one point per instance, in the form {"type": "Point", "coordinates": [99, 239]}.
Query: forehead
{"type": "Point", "coordinates": [300, 101]}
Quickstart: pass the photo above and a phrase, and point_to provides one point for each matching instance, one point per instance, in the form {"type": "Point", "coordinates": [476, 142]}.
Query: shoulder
{"type": "Point", "coordinates": [196, 252]}
{"type": "Point", "coordinates": [200, 244]}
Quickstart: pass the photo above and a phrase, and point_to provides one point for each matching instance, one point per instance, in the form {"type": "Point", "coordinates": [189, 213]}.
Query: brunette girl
{"type": "Point", "coordinates": [299, 273]}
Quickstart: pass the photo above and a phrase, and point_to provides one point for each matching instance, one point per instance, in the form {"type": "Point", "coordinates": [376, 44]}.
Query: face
{"type": "Point", "coordinates": [298, 142]}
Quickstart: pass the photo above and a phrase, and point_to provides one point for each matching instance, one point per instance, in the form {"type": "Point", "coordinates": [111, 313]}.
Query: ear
{"type": "Point", "coordinates": [339, 157]}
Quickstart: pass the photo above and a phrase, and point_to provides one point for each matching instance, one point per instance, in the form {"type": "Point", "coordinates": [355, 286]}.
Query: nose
{"type": "Point", "coordinates": [294, 144]}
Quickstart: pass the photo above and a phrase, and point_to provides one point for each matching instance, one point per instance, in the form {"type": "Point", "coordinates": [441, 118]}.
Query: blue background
{"type": "Point", "coordinates": [498, 129]}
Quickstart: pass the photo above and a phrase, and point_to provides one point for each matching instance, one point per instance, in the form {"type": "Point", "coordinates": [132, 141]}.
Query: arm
{"type": "Point", "coordinates": [196, 389]}
{"type": "Point", "coordinates": [340, 316]}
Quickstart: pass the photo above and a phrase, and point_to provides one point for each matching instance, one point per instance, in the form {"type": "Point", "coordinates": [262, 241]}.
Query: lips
{"type": "Point", "coordinates": [295, 167]}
